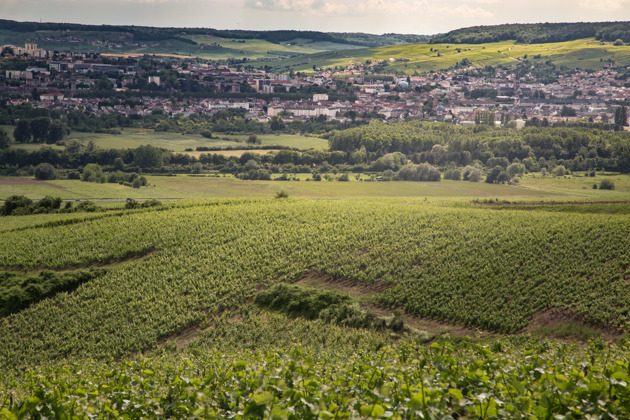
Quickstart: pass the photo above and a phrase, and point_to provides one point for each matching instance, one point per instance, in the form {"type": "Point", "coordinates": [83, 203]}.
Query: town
{"type": "Point", "coordinates": [464, 95]}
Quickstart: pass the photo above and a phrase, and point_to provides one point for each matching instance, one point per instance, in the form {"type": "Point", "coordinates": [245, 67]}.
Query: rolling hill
{"type": "Point", "coordinates": [587, 53]}
{"type": "Point", "coordinates": [199, 42]}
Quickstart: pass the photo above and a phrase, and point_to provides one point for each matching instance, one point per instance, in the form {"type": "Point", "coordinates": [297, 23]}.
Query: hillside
{"type": "Point", "coordinates": [200, 42]}
{"type": "Point", "coordinates": [177, 319]}
{"type": "Point", "coordinates": [586, 54]}
{"type": "Point", "coordinates": [538, 33]}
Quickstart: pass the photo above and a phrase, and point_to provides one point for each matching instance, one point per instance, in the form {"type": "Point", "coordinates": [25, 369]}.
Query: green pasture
{"type": "Point", "coordinates": [584, 53]}
{"type": "Point", "coordinates": [134, 137]}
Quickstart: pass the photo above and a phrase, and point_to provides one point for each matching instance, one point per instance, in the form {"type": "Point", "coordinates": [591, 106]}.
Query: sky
{"type": "Point", "coordinates": [423, 17]}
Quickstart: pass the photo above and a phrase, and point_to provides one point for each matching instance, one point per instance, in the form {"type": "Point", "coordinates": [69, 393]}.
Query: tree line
{"type": "Point", "coordinates": [537, 33]}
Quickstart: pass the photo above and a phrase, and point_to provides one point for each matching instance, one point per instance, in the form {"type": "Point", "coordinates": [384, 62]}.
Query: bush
{"type": "Point", "coordinates": [454, 174]}
{"type": "Point", "coordinates": [282, 194]}
{"type": "Point", "coordinates": [86, 206]}
{"type": "Point", "coordinates": [559, 170]}
{"type": "Point", "coordinates": [15, 202]}
{"type": "Point", "coordinates": [472, 174]}
{"type": "Point", "coordinates": [329, 306]}
{"type": "Point", "coordinates": [606, 184]}
{"type": "Point", "coordinates": [421, 172]}
{"type": "Point", "coordinates": [45, 171]}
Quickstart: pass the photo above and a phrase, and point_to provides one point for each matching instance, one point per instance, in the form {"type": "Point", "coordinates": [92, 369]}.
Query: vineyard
{"type": "Point", "coordinates": [181, 317]}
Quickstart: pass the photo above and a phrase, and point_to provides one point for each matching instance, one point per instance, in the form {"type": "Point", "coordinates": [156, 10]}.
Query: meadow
{"type": "Point", "coordinates": [135, 137]}
{"type": "Point", "coordinates": [588, 54]}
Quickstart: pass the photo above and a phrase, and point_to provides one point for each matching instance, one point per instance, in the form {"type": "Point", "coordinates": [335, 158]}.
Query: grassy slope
{"type": "Point", "coordinates": [584, 53]}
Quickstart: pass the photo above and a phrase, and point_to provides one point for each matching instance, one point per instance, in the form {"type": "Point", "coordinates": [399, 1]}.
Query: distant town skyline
{"type": "Point", "coordinates": [372, 16]}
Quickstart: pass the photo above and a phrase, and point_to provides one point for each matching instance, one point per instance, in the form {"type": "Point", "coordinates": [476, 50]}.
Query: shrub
{"type": "Point", "coordinates": [559, 170]}
{"type": "Point", "coordinates": [606, 184]}
{"type": "Point", "coordinates": [45, 171]}
{"type": "Point", "coordinates": [15, 202]}
{"type": "Point", "coordinates": [421, 172]}
{"type": "Point", "coordinates": [282, 194]}
{"type": "Point", "coordinates": [454, 174]}
{"type": "Point", "coordinates": [86, 206]}
{"type": "Point", "coordinates": [472, 173]}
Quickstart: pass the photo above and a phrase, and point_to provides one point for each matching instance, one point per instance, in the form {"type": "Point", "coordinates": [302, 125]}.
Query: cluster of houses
{"type": "Point", "coordinates": [443, 96]}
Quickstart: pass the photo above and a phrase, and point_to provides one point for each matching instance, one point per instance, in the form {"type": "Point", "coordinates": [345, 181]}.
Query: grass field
{"type": "Point", "coordinates": [584, 53]}
{"type": "Point", "coordinates": [134, 137]}
{"type": "Point", "coordinates": [188, 187]}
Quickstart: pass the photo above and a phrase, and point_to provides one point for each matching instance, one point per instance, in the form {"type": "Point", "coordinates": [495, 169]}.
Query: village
{"type": "Point", "coordinates": [70, 81]}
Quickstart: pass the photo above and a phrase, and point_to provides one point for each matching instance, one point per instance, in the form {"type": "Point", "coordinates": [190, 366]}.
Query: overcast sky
{"type": "Point", "coordinates": [372, 16]}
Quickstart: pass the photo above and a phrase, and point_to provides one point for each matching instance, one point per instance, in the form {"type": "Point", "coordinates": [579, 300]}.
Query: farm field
{"type": "Point", "coordinates": [423, 58]}
{"type": "Point", "coordinates": [188, 187]}
{"type": "Point", "coordinates": [179, 328]}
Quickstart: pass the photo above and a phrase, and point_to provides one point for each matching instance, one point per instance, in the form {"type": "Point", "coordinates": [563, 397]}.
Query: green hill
{"type": "Point", "coordinates": [586, 53]}
{"type": "Point", "coordinates": [200, 42]}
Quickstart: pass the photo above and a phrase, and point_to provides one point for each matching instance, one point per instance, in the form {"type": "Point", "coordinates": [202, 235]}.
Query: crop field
{"type": "Point", "coordinates": [423, 58]}
{"type": "Point", "coordinates": [194, 186]}
{"type": "Point", "coordinates": [531, 188]}
{"type": "Point", "coordinates": [166, 316]}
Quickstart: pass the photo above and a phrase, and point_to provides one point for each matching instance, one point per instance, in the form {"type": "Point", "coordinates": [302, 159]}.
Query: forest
{"type": "Point", "coordinates": [537, 33]}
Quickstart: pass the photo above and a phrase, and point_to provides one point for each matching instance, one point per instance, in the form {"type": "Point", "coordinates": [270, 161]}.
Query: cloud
{"type": "Point", "coordinates": [335, 7]}
{"type": "Point", "coordinates": [464, 10]}
{"type": "Point", "coordinates": [605, 5]}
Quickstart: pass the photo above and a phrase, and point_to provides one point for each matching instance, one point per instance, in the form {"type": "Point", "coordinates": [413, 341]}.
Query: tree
{"type": "Point", "coordinates": [621, 117]}
{"type": "Point", "coordinates": [515, 169]}
{"type": "Point", "coordinates": [559, 170]}
{"type": "Point", "coordinates": [92, 173]}
{"type": "Point", "coordinates": [45, 171]}
{"type": "Point", "coordinates": [56, 131]}
{"type": "Point", "coordinates": [148, 157]}
{"type": "Point", "coordinates": [22, 132]}
{"type": "Point", "coordinates": [4, 139]}
{"type": "Point", "coordinates": [276, 123]}
{"type": "Point", "coordinates": [39, 129]}
{"type": "Point", "coordinates": [497, 175]}
{"type": "Point", "coordinates": [567, 112]}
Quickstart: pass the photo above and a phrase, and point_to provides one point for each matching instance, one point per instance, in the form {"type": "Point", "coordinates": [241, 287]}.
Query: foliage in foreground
{"type": "Point", "coordinates": [406, 381]}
